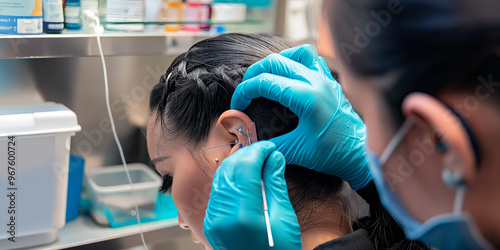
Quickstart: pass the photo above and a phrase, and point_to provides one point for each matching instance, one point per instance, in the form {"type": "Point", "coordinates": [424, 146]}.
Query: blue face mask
{"type": "Point", "coordinates": [455, 230]}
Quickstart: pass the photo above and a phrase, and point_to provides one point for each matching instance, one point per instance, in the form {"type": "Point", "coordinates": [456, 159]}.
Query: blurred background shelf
{"type": "Point", "coordinates": [71, 44]}
{"type": "Point", "coordinates": [83, 233]}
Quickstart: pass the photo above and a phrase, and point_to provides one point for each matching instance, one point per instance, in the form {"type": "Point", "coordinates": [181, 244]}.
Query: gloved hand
{"type": "Point", "coordinates": [234, 217]}
{"type": "Point", "coordinates": [330, 137]}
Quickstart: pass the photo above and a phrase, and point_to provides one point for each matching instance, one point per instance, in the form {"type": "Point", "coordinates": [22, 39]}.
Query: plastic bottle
{"type": "Point", "coordinates": [152, 14]}
{"type": "Point", "coordinates": [192, 14]}
{"type": "Point", "coordinates": [172, 12]}
{"type": "Point", "coordinates": [72, 14]}
{"type": "Point", "coordinates": [53, 18]}
{"type": "Point", "coordinates": [205, 14]}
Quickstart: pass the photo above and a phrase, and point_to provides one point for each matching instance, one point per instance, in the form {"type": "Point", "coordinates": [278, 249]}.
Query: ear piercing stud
{"type": "Point", "coordinates": [240, 129]}
{"type": "Point", "coordinates": [216, 159]}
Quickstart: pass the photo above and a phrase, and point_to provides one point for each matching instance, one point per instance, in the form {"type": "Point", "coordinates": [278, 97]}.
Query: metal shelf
{"type": "Point", "coordinates": [85, 45]}
{"type": "Point", "coordinates": [83, 233]}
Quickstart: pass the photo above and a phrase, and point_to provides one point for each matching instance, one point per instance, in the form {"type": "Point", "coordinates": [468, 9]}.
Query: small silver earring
{"type": "Point", "coordinates": [216, 159]}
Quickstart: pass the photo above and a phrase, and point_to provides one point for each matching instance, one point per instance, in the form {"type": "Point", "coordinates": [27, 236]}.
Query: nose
{"type": "Point", "coordinates": [182, 224]}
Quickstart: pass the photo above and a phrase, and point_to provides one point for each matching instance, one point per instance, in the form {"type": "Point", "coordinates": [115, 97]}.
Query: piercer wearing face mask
{"type": "Point", "coordinates": [425, 77]}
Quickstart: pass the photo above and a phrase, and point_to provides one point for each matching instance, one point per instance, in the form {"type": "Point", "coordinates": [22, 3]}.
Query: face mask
{"type": "Point", "coordinates": [455, 230]}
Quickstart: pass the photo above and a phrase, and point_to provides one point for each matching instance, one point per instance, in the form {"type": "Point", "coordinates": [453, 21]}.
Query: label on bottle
{"type": "Point", "coordinates": [192, 14]}
{"type": "Point", "coordinates": [173, 15]}
{"type": "Point", "coordinates": [52, 11]}
{"type": "Point", "coordinates": [205, 15]}
{"type": "Point", "coordinates": [55, 26]}
{"type": "Point", "coordinates": [72, 14]}
{"type": "Point", "coordinates": [20, 25]}
{"type": "Point", "coordinates": [124, 11]}
{"type": "Point", "coordinates": [21, 17]}
{"type": "Point", "coordinates": [29, 26]}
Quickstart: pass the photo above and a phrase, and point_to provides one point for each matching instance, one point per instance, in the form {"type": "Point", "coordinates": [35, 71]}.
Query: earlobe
{"type": "Point", "coordinates": [454, 142]}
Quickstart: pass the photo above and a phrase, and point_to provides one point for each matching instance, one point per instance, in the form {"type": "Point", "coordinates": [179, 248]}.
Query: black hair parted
{"type": "Point", "coordinates": [197, 87]}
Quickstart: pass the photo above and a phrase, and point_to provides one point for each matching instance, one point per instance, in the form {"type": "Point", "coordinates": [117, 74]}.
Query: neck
{"type": "Point", "coordinates": [328, 224]}
{"type": "Point", "coordinates": [317, 236]}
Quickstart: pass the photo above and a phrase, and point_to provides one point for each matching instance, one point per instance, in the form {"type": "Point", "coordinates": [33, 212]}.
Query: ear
{"type": "Point", "coordinates": [459, 158]}
{"type": "Point", "coordinates": [233, 119]}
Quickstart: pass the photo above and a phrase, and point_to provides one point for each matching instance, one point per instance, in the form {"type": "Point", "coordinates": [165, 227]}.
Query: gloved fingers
{"type": "Point", "coordinates": [358, 182]}
{"type": "Point", "coordinates": [273, 176]}
{"type": "Point", "coordinates": [273, 173]}
{"type": "Point", "coordinates": [326, 69]}
{"type": "Point", "coordinates": [236, 195]}
{"type": "Point", "coordinates": [286, 144]}
{"type": "Point", "coordinates": [303, 54]}
{"type": "Point", "coordinates": [277, 64]}
{"type": "Point", "coordinates": [290, 93]}
{"type": "Point", "coordinates": [242, 170]}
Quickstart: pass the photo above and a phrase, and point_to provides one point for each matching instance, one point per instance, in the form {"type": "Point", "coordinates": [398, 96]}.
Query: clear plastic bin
{"type": "Point", "coordinates": [110, 193]}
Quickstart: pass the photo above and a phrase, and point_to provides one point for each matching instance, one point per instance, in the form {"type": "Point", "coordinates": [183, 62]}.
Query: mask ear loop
{"type": "Point", "coordinates": [396, 140]}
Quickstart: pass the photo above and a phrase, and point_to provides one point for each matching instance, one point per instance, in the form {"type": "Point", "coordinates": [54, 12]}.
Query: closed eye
{"type": "Point", "coordinates": [166, 184]}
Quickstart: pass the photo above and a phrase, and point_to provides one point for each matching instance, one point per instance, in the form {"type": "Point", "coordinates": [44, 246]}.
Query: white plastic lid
{"type": "Point", "coordinates": [35, 119]}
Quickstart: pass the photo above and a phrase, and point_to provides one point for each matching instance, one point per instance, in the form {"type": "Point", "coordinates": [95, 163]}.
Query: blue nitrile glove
{"type": "Point", "coordinates": [234, 217]}
{"type": "Point", "coordinates": [330, 137]}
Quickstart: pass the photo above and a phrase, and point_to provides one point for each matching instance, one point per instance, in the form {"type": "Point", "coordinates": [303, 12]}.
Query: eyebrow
{"type": "Point", "coordinates": [157, 160]}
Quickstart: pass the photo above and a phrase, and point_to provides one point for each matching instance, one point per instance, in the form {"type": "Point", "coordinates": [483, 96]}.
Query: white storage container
{"type": "Point", "coordinates": [109, 188]}
{"type": "Point", "coordinates": [34, 157]}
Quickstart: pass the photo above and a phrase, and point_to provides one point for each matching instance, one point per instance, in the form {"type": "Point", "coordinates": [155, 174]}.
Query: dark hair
{"type": "Point", "coordinates": [197, 88]}
{"type": "Point", "coordinates": [427, 44]}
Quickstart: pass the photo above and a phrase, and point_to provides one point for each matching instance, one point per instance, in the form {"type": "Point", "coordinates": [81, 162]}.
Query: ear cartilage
{"type": "Point", "coordinates": [264, 197]}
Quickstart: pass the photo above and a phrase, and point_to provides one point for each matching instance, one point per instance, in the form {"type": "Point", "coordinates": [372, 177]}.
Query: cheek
{"type": "Point", "coordinates": [414, 173]}
{"type": "Point", "coordinates": [191, 191]}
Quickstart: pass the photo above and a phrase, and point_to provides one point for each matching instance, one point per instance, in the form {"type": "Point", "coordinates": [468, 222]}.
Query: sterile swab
{"type": "Point", "coordinates": [264, 198]}
{"type": "Point", "coordinates": [266, 215]}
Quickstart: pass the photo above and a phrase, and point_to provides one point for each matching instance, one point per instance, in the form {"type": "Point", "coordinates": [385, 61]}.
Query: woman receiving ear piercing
{"type": "Point", "coordinates": [192, 130]}
{"type": "Point", "coordinates": [425, 77]}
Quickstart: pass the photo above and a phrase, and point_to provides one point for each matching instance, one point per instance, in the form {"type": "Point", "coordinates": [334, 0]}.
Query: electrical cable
{"type": "Point", "coordinates": [113, 128]}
